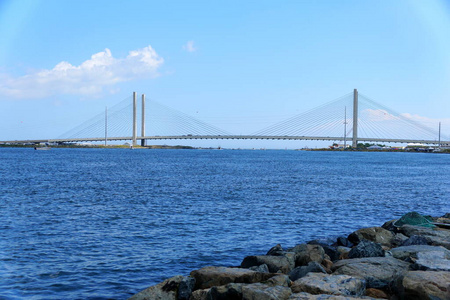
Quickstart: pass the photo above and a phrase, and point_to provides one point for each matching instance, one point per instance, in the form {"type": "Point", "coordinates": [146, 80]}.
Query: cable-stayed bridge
{"type": "Point", "coordinates": [350, 119]}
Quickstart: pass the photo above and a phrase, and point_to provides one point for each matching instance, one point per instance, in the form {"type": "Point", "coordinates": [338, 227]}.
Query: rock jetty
{"type": "Point", "coordinates": [407, 258]}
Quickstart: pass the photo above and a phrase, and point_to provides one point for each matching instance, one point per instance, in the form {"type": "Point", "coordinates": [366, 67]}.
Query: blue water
{"type": "Point", "coordinates": [107, 223]}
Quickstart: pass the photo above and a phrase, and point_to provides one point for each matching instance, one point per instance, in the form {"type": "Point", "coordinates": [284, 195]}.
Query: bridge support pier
{"type": "Point", "coordinates": [355, 119]}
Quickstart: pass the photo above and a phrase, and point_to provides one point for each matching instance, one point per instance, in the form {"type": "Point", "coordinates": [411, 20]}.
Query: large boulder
{"type": "Point", "coordinates": [433, 261]}
{"type": "Point", "coordinates": [434, 236]}
{"type": "Point", "coordinates": [374, 234]}
{"type": "Point", "coordinates": [379, 272]}
{"type": "Point", "coordinates": [275, 264]}
{"type": "Point", "coordinates": [301, 271]}
{"type": "Point", "coordinates": [426, 285]}
{"type": "Point", "coordinates": [415, 240]}
{"type": "Point", "coordinates": [185, 288]}
{"type": "Point", "coordinates": [331, 251]}
{"type": "Point", "coordinates": [200, 294]}
{"type": "Point", "coordinates": [166, 290]}
{"type": "Point", "coordinates": [214, 276]}
{"type": "Point", "coordinates": [274, 288]}
{"type": "Point", "coordinates": [327, 264]}
{"type": "Point", "coordinates": [259, 291]}
{"type": "Point", "coordinates": [376, 293]}
{"type": "Point", "coordinates": [343, 241]}
{"type": "Point", "coordinates": [445, 219]}
{"type": "Point", "coordinates": [410, 253]}
{"type": "Point", "coordinates": [276, 250]}
{"type": "Point", "coordinates": [231, 291]}
{"type": "Point", "coordinates": [307, 296]}
{"type": "Point", "coordinates": [318, 283]}
{"type": "Point", "coordinates": [282, 280]}
{"type": "Point", "coordinates": [343, 252]}
{"type": "Point", "coordinates": [261, 268]}
{"type": "Point", "coordinates": [399, 239]}
{"type": "Point", "coordinates": [366, 249]}
{"type": "Point", "coordinates": [305, 253]}
{"type": "Point", "coordinates": [389, 225]}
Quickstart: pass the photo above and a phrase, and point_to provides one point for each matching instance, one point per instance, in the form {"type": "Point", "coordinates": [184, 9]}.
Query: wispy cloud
{"type": "Point", "coordinates": [89, 78]}
{"type": "Point", "coordinates": [432, 123]}
{"type": "Point", "coordinates": [377, 115]}
{"type": "Point", "coordinates": [189, 46]}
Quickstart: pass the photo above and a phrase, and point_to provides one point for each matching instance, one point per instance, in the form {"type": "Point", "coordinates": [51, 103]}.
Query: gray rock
{"type": "Point", "coordinates": [307, 296]}
{"type": "Point", "coordinates": [343, 251]}
{"type": "Point", "coordinates": [389, 225]}
{"type": "Point", "coordinates": [409, 253]}
{"type": "Point", "coordinates": [444, 219]}
{"type": "Point", "coordinates": [379, 272]}
{"type": "Point", "coordinates": [426, 285]}
{"type": "Point", "coordinates": [166, 290]}
{"type": "Point", "coordinates": [305, 253]}
{"type": "Point", "coordinates": [318, 283]}
{"type": "Point", "coordinates": [366, 249]}
{"type": "Point", "coordinates": [300, 272]}
{"type": "Point", "coordinates": [399, 239]}
{"type": "Point", "coordinates": [276, 251]}
{"type": "Point", "coordinates": [200, 294]}
{"type": "Point", "coordinates": [331, 251]}
{"type": "Point", "coordinates": [214, 276]}
{"type": "Point", "coordinates": [185, 288]}
{"type": "Point", "coordinates": [434, 236]}
{"type": "Point", "coordinates": [344, 242]}
{"type": "Point", "coordinates": [282, 280]}
{"type": "Point", "coordinates": [231, 291]}
{"type": "Point", "coordinates": [270, 289]}
{"type": "Point", "coordinates": [283, 264]}
{"type": "Point", "coordinates": [259, 291]}
{"type": "Point", "coordinates": [261, 268]}
{"type": "Point", "coordinates": [415, 240]}
{"type": "Point", "coordinates": [321, 242]}
{"type": "Point", "coordinates": [432, 261]}
{"type": "Point", "coordinates": [377, 293]}
{"type": "Point", "coordinates": [374, 234]}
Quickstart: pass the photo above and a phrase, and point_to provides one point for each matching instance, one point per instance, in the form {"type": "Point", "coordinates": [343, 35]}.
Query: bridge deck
{"type": "Point", "coordinates": [223, 137]}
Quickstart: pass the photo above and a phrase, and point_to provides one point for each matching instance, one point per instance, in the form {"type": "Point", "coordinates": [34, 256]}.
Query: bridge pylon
{"type": "Point", "coordinates": [143, 121]}
{"type": "Point", "coordinates": [355, 119]}
{"type": "Point", "coordinates": [134, 120]}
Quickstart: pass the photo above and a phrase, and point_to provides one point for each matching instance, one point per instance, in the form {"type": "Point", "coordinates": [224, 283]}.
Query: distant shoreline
{"type": "Point", "coordinates": [444, 151]}
{"type": "Point", "coordinates": [102, 146]}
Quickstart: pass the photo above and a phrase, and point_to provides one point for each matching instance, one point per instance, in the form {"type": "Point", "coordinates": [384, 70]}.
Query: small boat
{"type": "Point", "coordinates": [42, 148]}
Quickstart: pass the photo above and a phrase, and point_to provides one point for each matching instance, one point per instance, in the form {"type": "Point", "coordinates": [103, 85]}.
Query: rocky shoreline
{"type": "Point", "coordinates": [407, 258]}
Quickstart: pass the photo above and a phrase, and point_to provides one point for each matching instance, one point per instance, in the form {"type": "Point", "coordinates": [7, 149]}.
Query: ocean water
{"type": "Point", "coordinates": [107, 223]}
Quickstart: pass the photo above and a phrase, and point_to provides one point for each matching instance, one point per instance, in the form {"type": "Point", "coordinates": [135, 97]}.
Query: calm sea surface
{"type": "Point", "coordinates": [107, 223]}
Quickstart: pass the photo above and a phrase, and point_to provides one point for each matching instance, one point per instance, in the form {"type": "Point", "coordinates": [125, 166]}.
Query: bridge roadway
{"type": "Point", "coordinates": [223, 137]}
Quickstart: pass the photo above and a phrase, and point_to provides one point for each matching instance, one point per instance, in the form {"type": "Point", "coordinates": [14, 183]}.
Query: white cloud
{"type": "Point", "coordinates": [89, 78]}
{"type": "Point", "coordinates": [375, 115]}
{"type": "Point", "coordinates": [189, 46]}
{"type": "Point", "coordinates": [432, 123]}
{"type": "Point", "coordinates": [379, 115]}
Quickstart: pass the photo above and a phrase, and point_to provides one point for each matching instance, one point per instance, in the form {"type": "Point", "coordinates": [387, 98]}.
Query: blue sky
{"type": "Point", "coordinates": [61, 62]}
